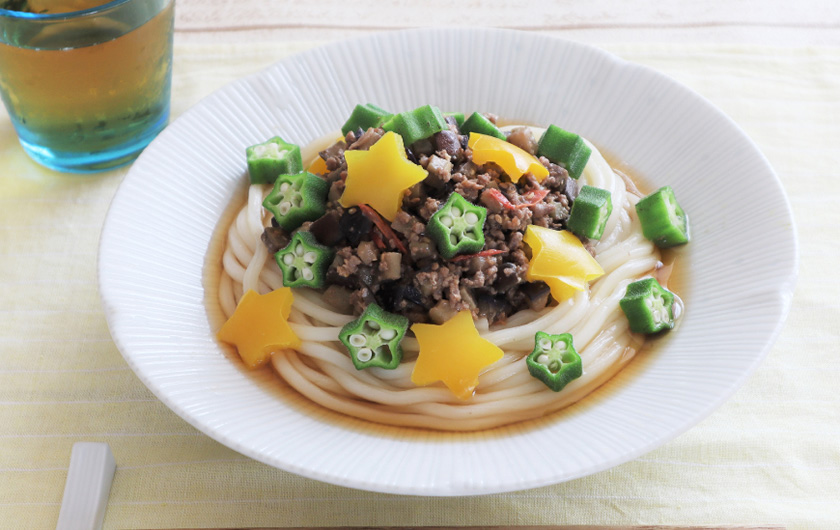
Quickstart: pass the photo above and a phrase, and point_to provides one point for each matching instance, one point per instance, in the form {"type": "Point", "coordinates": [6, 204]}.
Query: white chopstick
{"type": "Point", "coordinates": [88, 484]}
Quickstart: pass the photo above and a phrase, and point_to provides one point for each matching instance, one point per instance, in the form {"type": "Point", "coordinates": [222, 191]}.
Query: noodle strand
{"type": "Point", "coordinates": [321, 371]}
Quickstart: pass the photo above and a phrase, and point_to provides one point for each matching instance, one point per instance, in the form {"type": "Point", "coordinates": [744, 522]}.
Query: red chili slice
{"type": "Point", "coordinates": [383, 227]}
{"type": "Point", "coordinates": [499, 196]}
{"type": "Point", "coordinates": [534, 196]}
{"type": "Point", "coordinates": [374, 236]}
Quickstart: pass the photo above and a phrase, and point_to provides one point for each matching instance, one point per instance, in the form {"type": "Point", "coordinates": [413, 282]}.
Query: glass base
{"type": "Point", "coordinates": [91, 162]}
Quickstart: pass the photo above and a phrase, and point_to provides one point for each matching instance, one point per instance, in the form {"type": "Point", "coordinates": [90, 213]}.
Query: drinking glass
{"type": "Point", "coordinates": [86, 82]}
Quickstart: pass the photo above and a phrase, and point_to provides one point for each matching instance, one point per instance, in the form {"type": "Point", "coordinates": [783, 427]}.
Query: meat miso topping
{"type": "Point", "coordinates": [397, 264]}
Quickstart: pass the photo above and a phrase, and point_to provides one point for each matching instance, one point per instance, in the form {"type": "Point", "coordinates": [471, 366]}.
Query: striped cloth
{"type": "Point", "coordinates": [770, 454]}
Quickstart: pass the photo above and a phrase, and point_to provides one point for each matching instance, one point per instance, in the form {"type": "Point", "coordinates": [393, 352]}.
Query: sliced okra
{"type": "Point", "coordinates": [296, 199]}
{"type": "Point", "coordinates": [457, 227]}
{"type": "Point", "coordinates": [649, 307]}
{"type": "Point", "coordinates": [590, 211]}
{"type": "Point", "coordinates": [374, 338]}
{"type": "Point", "coordinates": [478, 123]}
{"type": "Point", "coordinates": [564, 148]}
{"type": "Point", "coordinates": [554, 360]}
{"type": "Point", "coordinates": [364, 117]}
{"type": "Point", "coordinates": [304, 261]}
{"type": "Point", "coordinates": [272, 158]}
{"type": "Point", "coordinates": [663, 220]}
{"type": "Point", "coordinates": [416, 124]}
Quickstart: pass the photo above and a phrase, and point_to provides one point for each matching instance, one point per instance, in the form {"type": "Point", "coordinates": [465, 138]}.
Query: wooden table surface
{"type": "Point", "coordinates": [763, 22]}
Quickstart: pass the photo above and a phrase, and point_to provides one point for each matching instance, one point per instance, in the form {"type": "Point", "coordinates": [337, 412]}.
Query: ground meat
{"type": "Point", "coordinates": [336, 189]}
{"type": "Point", "coordinates": [430, 206]}
{"type": "Point", "coordinates": [440, 171]}
{"type": "Point", "coordinates": [334, 155]}
{"type": "Point", "coordinates": [421, 248]}
{"type": "Point", "coordinates": [274, 238]}
{"type": "Point", "coordinates": [360, 299]}
{"type": "Point", "coordinates": [401, 269]}
{"type": "Point", "coordinates": [523, 138]}
{"type": "Point", "coordinates": [407, 224]}
{"type": "Point", "coordinates": [346, 262]}
{"type": "Point", "coordinates": [490, 116]}
{"type": "Point", "coordinates": [390, 265]}
{"type": "Point", "coordinates": [367, 252]}
{"type": "Point", "coordinates": [469, 189]}
{"type": "Point", "coordinates": [367, 139]}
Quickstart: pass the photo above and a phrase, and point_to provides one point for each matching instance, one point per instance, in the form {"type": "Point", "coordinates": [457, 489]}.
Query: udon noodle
{"type": "Point", "coordinates": [322, 371]}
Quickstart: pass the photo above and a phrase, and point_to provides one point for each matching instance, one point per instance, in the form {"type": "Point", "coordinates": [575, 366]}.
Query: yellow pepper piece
{"type": "Point", "coordinates": [559, 259]}
{"type": "Point", "coordinates": [454, 353]}
{"type": "Point", "coordinates": [513, 160]}
{"type": "Point", "coordinates": [259, 326]}
{"type": "Point", "coordinates": [380, 176]}
{"type": "Point", "coordinates": [318, 166]}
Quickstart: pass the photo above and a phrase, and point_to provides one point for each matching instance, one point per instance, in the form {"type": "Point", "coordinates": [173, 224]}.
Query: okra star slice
{"type": "Point", "coordinates": [296, 199]}
{"type": "Point", "coordinates": [554, 360]}
{"type": "Point", "coordinates": [649, 307]}
{"type": "Point", "coordinates": [477, 123]}
{"type": "Point", "coordinates": [457, 227]}
{"type": "Point", "coordinates": [417, 124]}
{"type": "Point", "coordinates": [564, 148]}
{"type": "Point", "coordinates": [663, 220]}
{"type": "Point", "coordinates": [304, 261]}
{"type": "Point", "coordinates": [274, 157]}
{"type": "Point", "coordinates": [590, 212]}
{"type": "Point", "coordinates": [374, 338]}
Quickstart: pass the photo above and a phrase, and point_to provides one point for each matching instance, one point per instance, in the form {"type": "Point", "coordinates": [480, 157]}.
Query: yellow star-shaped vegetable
{"type": "Point", "coordinates": [380, 176]}
{"type": "Point", "coordinates": [454, 353]}
{"type": "Point", "coordinates": [514, 161]}
{"type": "Point", "coordinates": [559, 259]}
{"type": "Point", "coordinates": [259, 326]}
{"type": "Point", "coordinates": [317, 167]}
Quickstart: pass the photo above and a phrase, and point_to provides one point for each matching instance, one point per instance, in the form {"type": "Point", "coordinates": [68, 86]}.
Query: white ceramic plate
{"type": "Point", "coordinates": [742, 258]}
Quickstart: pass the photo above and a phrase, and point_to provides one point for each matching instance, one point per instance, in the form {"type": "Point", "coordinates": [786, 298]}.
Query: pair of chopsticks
{"type": "Point", "coordinates": [92, 469]}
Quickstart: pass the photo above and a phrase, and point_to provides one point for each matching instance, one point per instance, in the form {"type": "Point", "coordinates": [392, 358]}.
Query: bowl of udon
{"type": "Point", "coordinates": [567, 261]}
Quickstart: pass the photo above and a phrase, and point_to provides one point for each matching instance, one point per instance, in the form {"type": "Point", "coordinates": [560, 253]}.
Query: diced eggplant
{"type": "Point", "coordinates": [327, 230]}
{"type": "Point", "coordinates": [274, 238]}
{"type": "Point", "coordinates": [506, 278]}
{"type": "Point", "coordinates": [354, 226]}
{"type": "Point", "coordinates": [394, 296]}
{"type": "Point", "coordinates": [447, 141]}
{"type": "Point", "coordinates": [537, 294]}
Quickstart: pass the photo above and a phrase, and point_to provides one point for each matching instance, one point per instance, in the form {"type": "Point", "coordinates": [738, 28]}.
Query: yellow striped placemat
{"type": "Point", "coordinates": [770, 454]}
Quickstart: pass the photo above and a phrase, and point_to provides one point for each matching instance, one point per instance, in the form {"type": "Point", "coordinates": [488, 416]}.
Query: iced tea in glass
{"type": "Point", "coordinates": [86, 82]}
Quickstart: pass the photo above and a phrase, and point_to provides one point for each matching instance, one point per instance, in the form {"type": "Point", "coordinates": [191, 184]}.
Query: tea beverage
{"type": "Point", "coordinates": [90, 91]}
